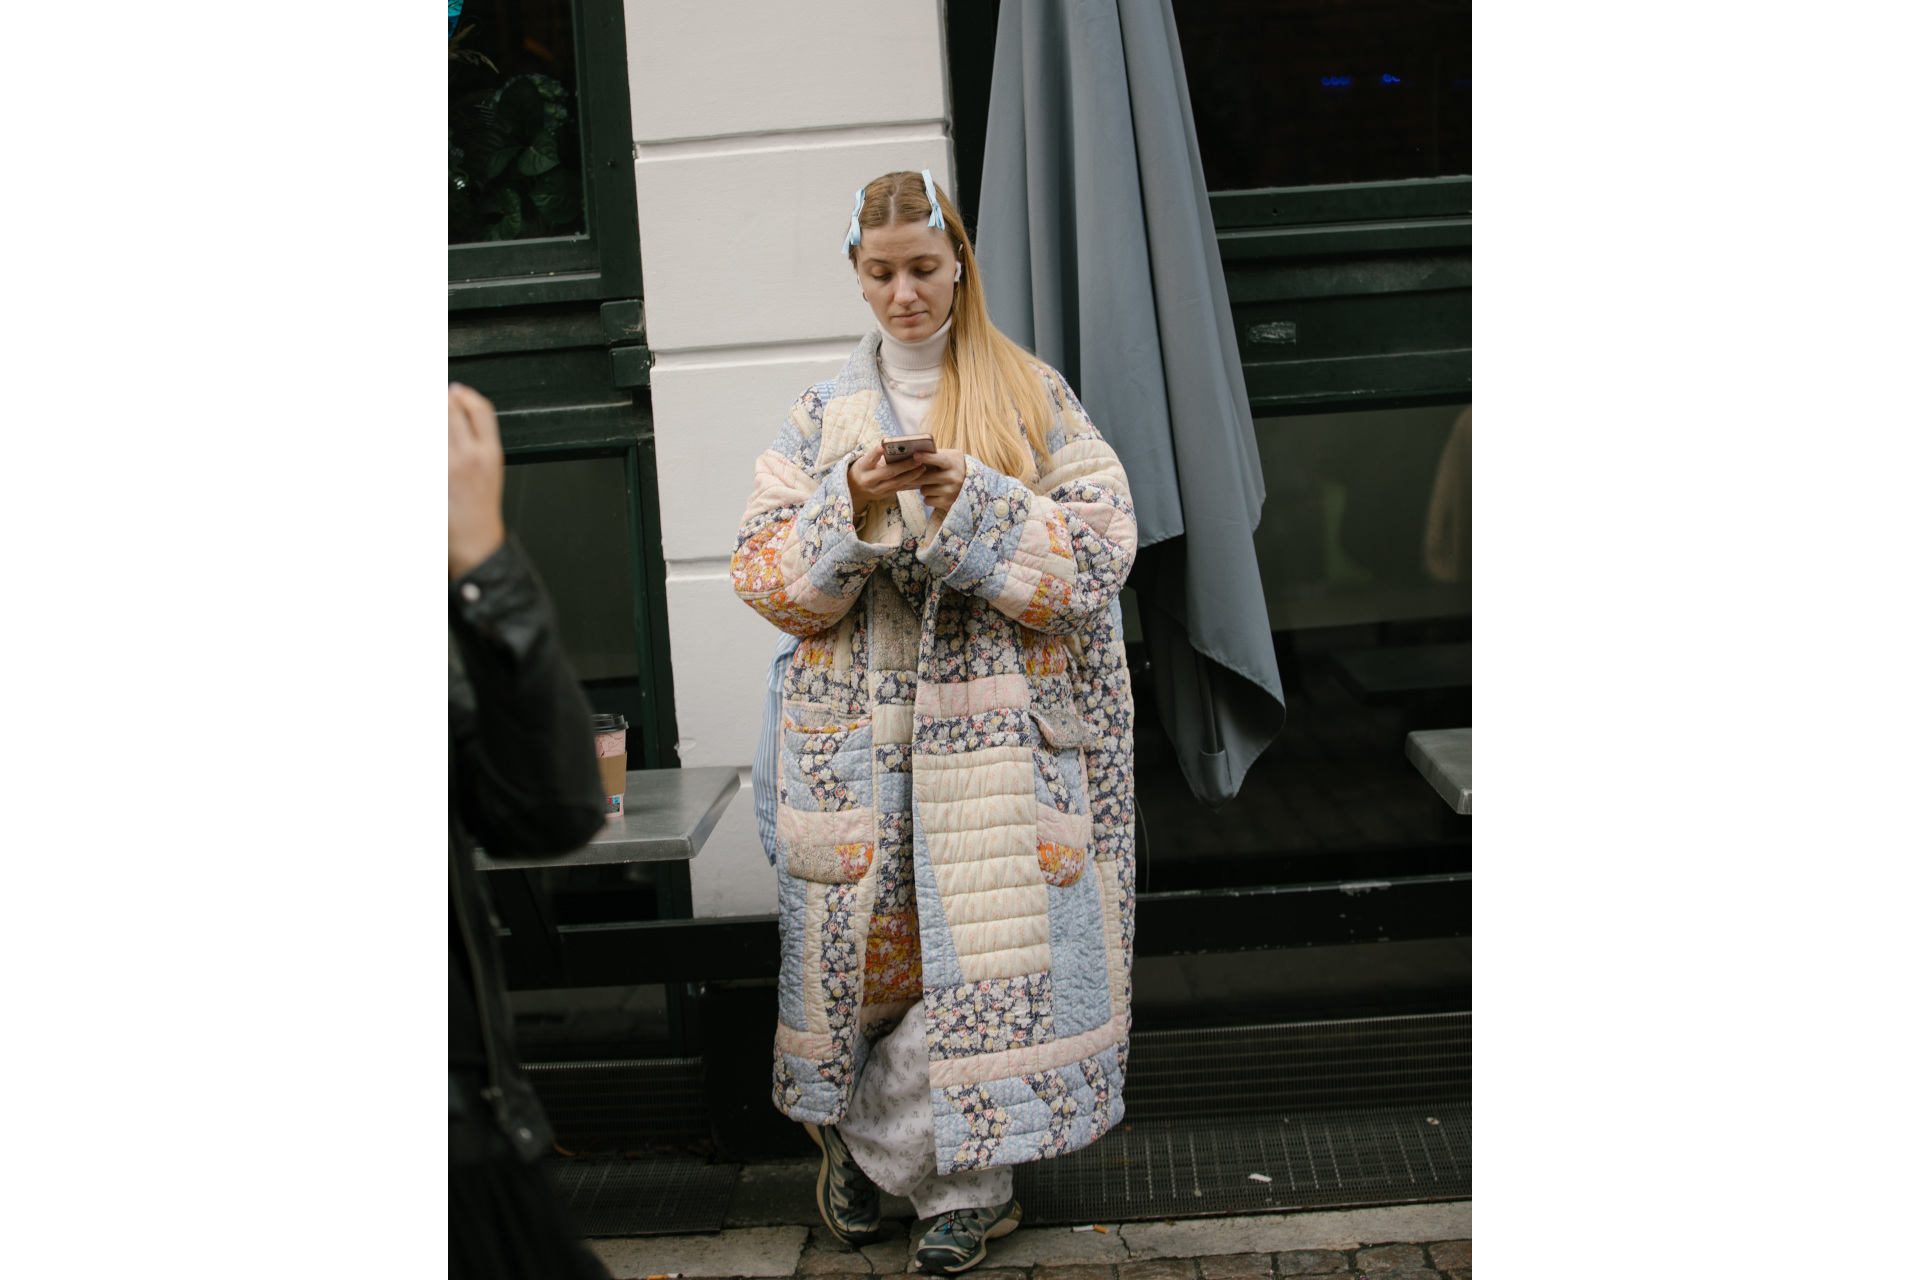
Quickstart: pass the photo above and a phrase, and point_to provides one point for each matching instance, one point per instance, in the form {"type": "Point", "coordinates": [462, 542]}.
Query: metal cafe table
{"type": "Point", "coordinates": [1444, 758]}
{"type": "Point", "coordinates": [669, 815]}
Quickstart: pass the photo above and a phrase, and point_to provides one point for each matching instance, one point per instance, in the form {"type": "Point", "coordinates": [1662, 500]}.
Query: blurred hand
{"type": "Point", "coordinates": [475, 473]}
{"type": "Point", "coordinates": [946, 471]}
{"type": "Point", "coordinates": [871, 476]}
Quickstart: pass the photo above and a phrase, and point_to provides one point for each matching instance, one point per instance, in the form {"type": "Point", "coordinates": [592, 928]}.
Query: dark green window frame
{"type": "Point", "coordinates": [1353, 295]}
{"type": "Point", "coordinates": [583, 267]}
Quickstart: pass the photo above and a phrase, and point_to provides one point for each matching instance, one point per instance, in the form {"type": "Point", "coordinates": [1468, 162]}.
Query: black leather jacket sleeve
{"type": "Point", "coordinates": [524, 775]}
{"type": "Point", "coordinates": [523, 782]}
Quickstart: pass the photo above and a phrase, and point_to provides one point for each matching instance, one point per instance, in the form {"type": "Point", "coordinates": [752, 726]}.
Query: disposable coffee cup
{"type": "Point", "coordinates": [610, 745]}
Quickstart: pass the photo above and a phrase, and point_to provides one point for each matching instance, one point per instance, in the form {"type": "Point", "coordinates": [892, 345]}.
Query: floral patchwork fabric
{"type": "Point", "coordinates": [1061, 864]}
{"type": "Point", "coordinates": [990, 641]}
{"type": "Point", "coordinates": [893, 958]}
{"type": "Point", "coordinates": [988, 1016]}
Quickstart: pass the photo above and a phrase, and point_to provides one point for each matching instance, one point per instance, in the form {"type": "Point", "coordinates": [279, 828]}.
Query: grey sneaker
{"type": "Point", "coordinates": [849, 1202]}
{"type": "Point", "coordinates": [956, 1240]}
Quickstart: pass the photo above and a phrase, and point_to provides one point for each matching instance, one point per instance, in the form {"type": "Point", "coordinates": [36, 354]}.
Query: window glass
{"type": "Point", "coordinates": [1368, 516]}
{"type": "Point", "coordinates": [513, 121]}
{"type": "Point", "coordinates": [1367, 562]}
{"type": "Point", "coordinates": [571, 518]}
{"type": "Point", "coordinates": [1291, 93]}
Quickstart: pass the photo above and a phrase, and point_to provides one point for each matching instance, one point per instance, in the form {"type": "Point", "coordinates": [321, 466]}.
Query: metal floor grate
{"type": "Point", "coordinates": [611, 1106]}
{"type": "Point", "coordinates": [645, 1197]}
{"type": "Point", "coordinates": [1285, 1067]}
{"type": "Point", "coordinates": [1350, 1112]}
{"type": "Point", "coordinates": [1190, 1169]}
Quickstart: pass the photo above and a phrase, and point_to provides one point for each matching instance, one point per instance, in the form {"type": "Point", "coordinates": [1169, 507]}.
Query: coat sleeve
{"type": "Point", "coordinates": [797, 559]}
{"type": "Point", "coordinates": [527, 784]}
{"type": "Point", "coordinates": [1050, 557]}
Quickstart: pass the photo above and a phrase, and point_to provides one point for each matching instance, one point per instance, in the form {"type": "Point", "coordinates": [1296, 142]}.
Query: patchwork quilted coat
{"type": "Point", "coordinates": [956, 776]}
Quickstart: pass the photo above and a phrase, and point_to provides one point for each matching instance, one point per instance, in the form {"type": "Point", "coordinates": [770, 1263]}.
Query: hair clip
{"type": "Point", "coordinates": [933, 198]}
{"type": "Point", "coordinates": [853, 223]}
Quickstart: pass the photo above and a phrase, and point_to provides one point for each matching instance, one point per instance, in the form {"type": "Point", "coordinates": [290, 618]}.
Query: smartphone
{"type": "Point", "coordinates": [900, 448]}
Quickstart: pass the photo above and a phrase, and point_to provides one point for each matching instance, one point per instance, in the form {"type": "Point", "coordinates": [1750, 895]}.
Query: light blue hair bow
{"type": "Point", "coordinates": [936, 220]}
{"type": "Point", "coordinates": [853, 223]}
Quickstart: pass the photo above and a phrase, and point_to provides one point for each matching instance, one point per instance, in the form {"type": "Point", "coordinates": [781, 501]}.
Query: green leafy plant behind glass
{"type": "Point", "coordinates": [513, 163]}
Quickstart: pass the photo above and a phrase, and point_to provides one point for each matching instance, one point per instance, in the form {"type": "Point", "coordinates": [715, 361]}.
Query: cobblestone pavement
{"type": "Point", "coordinates": [1439, 1260]}
{"type": "Point", "coordinates": [1406, 1242]}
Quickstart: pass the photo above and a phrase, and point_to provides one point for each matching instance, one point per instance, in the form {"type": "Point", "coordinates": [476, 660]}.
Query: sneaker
{"type": "Point", "coordinates": [849, 1202]}
{"type": "Point", "coordinates": [956, 1240]}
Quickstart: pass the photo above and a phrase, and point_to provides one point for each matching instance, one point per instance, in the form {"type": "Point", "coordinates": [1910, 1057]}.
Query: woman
{"type": "Point", "coordinates": [955, 819]}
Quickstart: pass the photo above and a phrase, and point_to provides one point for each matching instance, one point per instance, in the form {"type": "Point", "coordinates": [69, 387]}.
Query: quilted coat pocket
{"type": "Point", "coordinates": [1064, 827]}
{"type": "Point", "coordinates": [827, 848]}
{"type": "Point", "coordinates": [1061, 727]}
{"type": "Point", "coordinates": [826, 817]}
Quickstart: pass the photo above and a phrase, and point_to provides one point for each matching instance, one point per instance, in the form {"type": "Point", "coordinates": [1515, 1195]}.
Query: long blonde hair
{"type": "Point", "coordinates": [990, 386]}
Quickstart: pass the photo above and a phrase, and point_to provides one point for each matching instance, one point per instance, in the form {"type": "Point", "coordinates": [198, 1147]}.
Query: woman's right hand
{"type": "Point", "coordinates": [870, 476]}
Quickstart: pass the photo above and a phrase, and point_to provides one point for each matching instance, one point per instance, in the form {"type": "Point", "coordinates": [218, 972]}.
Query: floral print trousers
{"type": "Point", "coordinates": [889, 1128]}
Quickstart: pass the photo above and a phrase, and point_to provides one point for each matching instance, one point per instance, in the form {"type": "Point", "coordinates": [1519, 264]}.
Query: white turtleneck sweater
{"type": "Point", "coordinates": [916, 367]}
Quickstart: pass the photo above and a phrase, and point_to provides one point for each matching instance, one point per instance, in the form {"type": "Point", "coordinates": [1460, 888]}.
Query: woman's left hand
{"type": "Point", "coordinates": [946, 471]}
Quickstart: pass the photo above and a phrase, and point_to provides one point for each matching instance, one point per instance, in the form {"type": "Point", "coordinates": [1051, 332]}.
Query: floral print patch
{"type": "Point", "coordinates": [986, 1126]}
{"type": "Point", "coordinates": [990, 1016]}
{"type": "Point", "coordinates": [949, 734]}
{"type": "Point", "coordinates": [1061, 864]}
{"type": "Point", "coordinates": [893, 958]}
{"type": "Point", "coordinates": [1051, 1088]}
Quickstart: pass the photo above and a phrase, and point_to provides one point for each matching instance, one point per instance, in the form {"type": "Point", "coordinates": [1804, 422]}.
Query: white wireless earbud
{"type": "Point", "coordinates": [958, 268]}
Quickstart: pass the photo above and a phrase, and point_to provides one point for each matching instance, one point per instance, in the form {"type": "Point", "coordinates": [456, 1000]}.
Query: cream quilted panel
{"type": "Point", "coordinates": [978, 815]}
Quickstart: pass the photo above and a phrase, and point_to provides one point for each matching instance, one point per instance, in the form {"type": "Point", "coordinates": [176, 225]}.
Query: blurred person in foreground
{"type": "Point", "coordinates": [522, 782]}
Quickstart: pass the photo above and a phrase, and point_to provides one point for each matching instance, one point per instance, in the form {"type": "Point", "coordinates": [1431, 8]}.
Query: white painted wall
{"type": "Point", "coordinates": [754, 121]}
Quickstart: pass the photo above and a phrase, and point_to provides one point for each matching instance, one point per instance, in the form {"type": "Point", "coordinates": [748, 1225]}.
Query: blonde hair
{"type": "Point", "coordinates": [990, 385]}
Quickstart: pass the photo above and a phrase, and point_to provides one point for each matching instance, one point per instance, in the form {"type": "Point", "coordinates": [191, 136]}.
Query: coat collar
{"type": "Point", "coordinates": [858, 414]}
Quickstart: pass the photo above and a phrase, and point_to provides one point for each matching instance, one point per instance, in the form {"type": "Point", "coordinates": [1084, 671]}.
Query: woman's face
{"type": "Point", "coordinates": [906, 273]}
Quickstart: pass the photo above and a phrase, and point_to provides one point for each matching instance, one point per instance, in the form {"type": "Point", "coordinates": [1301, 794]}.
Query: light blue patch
{"type": "Point", "coordinates": [819, 1101]}
{"type": "Point", "coordinates": [861, 372]}
{"type": "Point", "coordinates": [1074, 769]}
{"type": "Point", "coordinates": [1072, 778]}
{"type": "Point", "coordinates": [790, 444]}
{"type": "Point", "coordinates": [939, 960]}
{"type": "Point", "coordinates": [1026, 1114]}
{"type": "Point", "coordinates": [1013, 1091]}
{"type": "Point", "coordinates": [894, 792]}
{"type": "Point", "coordinates": [844, 562]}
{"type": "Point", "coordinates": [796, 957]}
{"type": "Point", "coordinates": [994, 584]}
{"type": "Point", "coordinates": [982, 562]}
{"type": "Point", "coordinates": [850, 766]}
{"type": "Point", "coordinates": [1021, 1147]}
{"type": "Point", "coordinates": [1077, 941]}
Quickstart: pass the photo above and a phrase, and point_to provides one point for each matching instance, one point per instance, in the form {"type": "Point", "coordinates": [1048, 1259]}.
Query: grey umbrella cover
{"type": "Point", "coordinates": [1097, 251]}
